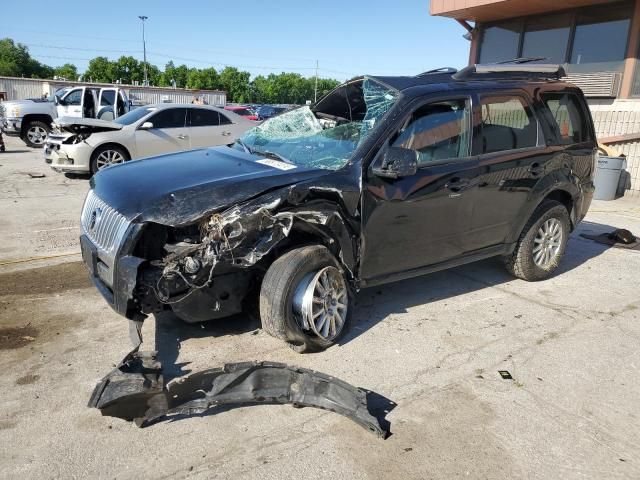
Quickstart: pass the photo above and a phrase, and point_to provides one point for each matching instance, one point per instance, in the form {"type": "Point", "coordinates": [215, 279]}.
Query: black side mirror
{"type": "Point", "coordinates": [397, 162]}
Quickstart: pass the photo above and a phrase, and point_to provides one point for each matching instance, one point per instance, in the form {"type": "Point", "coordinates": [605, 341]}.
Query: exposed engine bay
{"type": "Point", "coordinates": [205, 271]}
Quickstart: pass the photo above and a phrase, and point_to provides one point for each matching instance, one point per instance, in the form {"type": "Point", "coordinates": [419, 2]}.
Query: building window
{"type": "Point", "coordinates": [601, 36]}
{"type": "Point", "coordinates": [597, 37]}
{"type": "Point", "coordinates": [500, 42]}
{"type": "Point", "coordinates": [547, 37]}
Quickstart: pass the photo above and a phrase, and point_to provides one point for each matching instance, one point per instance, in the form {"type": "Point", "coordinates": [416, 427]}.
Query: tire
{"type": "Point", "coordinates": [528, 260]}
{"type": "Point", "coordinates": [281, 292]}
{"type": "Point", "coordinates": [101, 155]}
{"type": "Point", "coordinates": [35, 134]}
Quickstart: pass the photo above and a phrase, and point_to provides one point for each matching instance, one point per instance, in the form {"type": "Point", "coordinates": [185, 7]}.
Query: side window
{"type": "Point", "coordinates": [437, 131]}
{"type": "Point", "coordinates": [169, 118]}
{"type": "Point", "coordinates": [570, 122]}
{"type": "Point", "coordinates": [224, 120]}
{"type": "Point", "coordinates": [200, 117]}
{"type": "Point", "coordinates": [507, 123]}
{"type": "Point", "coordinates": [108, 98]}
{"type": "Point", "coordinates": [74, 98]}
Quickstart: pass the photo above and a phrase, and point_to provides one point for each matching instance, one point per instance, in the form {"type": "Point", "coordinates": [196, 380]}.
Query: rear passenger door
{"type": "Point", "coordinates": [512, 158]}
{"type": "Point", "coordinates": [204, 128]}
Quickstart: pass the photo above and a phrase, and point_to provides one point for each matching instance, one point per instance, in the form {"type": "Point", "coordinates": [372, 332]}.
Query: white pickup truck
{"type": "Point", "coordinates": [31, 119]}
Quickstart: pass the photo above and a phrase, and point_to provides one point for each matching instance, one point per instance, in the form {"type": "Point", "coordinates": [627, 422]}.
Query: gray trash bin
{"type": "Point", "coordinates": [607, 177]}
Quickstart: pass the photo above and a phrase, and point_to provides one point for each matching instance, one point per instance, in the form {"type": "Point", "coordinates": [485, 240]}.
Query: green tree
{"type": "Point", "coordinates": [67, 71]}
{"type": "Point", "coordinates": [100, 69]}
{"type": "Point", "coordinates": [236, 84]}
{"type": "Point", "coordinates": [15, 61]}
{"type": "Point", "coordinates": [128, 70]}
{"type": "Point", "coordinates": [325, 85]}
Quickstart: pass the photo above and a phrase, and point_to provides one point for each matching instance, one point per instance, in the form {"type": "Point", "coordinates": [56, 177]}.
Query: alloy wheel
{"type": "Point", "coordinates": [321, 302]}
{"type": "Point", "coordinates": [547, 243]}
{"type": "Point", "coordinates": [109, 157]}
{"type": "Point", "coordinates": [37, 135]}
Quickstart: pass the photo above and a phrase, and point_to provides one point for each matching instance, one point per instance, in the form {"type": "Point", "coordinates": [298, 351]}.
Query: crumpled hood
{"type": "Point", "coordinates": [180, 188]}
{"type": "Point", "coordinates": [76, 125]}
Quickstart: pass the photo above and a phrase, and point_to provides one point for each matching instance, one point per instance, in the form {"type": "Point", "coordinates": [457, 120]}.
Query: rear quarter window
{"type": "Point", "coordinates": [507, 123]}
{"type": "Point", "coordinates": [568, 118]}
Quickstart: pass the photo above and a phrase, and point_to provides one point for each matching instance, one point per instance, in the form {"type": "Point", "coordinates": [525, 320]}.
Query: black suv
{"type": "Point", "coordinates": [384, 178]}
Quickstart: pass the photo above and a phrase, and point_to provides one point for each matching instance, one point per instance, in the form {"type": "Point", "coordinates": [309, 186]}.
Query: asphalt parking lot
{"type": "Point", "coordinates": [433, 345]}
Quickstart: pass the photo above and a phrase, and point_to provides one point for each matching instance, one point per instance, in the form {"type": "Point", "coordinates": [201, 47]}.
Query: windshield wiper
{"type": "Point", "coordinates": [244, 145]}
{"type": "Point", "coordinates": [273, 155]}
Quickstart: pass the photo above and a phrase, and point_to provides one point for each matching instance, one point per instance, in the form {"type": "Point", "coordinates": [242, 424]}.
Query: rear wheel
{"type": "Point", "coordinates": [542, 243]}
{"type": "Point", "coordinates": [106, 156]}
{"type": "Point", "coordinates": [304, 299]}
{"type": "Point", "coordinates": [35, 134]}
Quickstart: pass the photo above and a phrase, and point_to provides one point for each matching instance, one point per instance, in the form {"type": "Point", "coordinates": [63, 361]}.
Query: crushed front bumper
{"type": "Point", "coordinates": [135, 390]}
{"type": "Point", "coordinates": [12, 126]}
{"type": "Point", "coordinates": [67, 157]}
{"type": "Point", "coordinates": [119, 295]}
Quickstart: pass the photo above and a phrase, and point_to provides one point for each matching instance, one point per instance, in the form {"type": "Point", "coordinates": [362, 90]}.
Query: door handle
{"type": "Point", "coordinates": [226, 134]}
{"type": "Point", "coordinates": [182, 137]}
{"type": "Point", "coordinates": [536, 169]}
{"type": "Point", "coordinates": [457, 184]}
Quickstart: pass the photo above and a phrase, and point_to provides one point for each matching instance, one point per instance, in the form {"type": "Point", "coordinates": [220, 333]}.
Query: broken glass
{"type": "Point", "coordinates": [328, 136]}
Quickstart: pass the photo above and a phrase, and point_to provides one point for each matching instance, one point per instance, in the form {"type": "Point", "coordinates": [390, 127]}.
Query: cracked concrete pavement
{"type": "Point", "coordinates": [433, 344]}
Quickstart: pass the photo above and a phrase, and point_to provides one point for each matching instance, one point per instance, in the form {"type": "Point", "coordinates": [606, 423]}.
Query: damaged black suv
{"type": "Point", "coordinates": [384, 178]}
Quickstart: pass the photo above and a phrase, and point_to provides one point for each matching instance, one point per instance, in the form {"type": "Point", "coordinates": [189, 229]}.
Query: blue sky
{"type": "Point", "coordinates": [347, 37]}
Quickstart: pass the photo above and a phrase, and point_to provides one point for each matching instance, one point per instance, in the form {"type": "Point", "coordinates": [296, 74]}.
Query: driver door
{"type": "Point", "coordinates": [71, 105]}
{"type": "Point", "coordinates": [168, 134]}
{"type": "Point", "coordinates": [421, 220]}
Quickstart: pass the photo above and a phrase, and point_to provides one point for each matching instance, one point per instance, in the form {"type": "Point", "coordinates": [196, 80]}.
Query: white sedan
{"type": "Point", "coordinates": [87, 145]}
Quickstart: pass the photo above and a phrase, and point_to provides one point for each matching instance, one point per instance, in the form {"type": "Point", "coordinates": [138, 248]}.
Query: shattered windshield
{"type": "Point", "coordinates": [326, 134]}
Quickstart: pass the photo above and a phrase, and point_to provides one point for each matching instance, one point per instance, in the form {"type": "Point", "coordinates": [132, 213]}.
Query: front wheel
{"type": "Point", "coordinates": [35, 134]}
{"type": "Point", "coordinates": [106, 156]}
{"type": "Point", "coordinates": [304, 299]}
{"type": "Point", "coordinates": [542, 243]}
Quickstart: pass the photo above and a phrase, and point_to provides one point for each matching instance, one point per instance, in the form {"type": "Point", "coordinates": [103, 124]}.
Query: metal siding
{"type": "Point", "coordinates": [21, 88]}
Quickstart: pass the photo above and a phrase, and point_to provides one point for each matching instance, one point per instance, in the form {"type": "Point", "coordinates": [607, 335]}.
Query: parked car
{"type": "Point", "coordinates": [246, 112]}
{"type": "Point", "coordinates": [383, 179]}
{"type": "Point", "coordinates": [88, 145]}
{"type": "Point", "coordinates": [268, 111]}
{"type": "Point", "coordinates": [31, 119]}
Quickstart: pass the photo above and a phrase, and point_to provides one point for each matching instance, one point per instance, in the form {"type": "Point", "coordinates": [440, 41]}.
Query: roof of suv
{"type": "Point", "coordinates": [491, 75]}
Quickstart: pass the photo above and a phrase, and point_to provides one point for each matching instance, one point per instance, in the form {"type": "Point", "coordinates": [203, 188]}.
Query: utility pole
{"type": "Point", "coordinates": [315, 95]}
{"type": "Point", "coordinates": [144, 50]}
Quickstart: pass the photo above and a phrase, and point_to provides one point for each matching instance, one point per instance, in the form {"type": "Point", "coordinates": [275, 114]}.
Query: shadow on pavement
{"type": "Point", "coordinates": [171, 331]}
{"type": "Point", "coordinates": [375, 304]}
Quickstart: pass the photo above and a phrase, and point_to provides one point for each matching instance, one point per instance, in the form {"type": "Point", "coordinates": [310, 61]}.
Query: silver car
{"type": "Point", "coordinates": [88, 145]}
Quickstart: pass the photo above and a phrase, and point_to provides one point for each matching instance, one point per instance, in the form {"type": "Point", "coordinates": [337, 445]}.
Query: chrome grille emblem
{"type": "Point", "coordinates": [96, 215]}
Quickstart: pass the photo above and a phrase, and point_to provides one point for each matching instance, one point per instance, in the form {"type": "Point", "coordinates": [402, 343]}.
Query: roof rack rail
{"type": "Point", "coordinates": [511, 69]}
{"type": "Point", "coordinates": [450, 70]}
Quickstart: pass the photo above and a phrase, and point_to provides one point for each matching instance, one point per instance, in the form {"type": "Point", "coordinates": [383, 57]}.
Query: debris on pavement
{"type": "Point", "coordinates": [619, 238]}
{"type": "Point", "coordinates": [136, 391]}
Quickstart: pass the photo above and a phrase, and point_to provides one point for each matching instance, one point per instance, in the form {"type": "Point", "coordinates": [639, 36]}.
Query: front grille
{"type": "Point", "coordinates": [103, 225]}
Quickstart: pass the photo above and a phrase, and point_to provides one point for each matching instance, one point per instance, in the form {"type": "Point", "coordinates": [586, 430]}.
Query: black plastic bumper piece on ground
{"type": "Point", "coordinates": [135, 391]}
